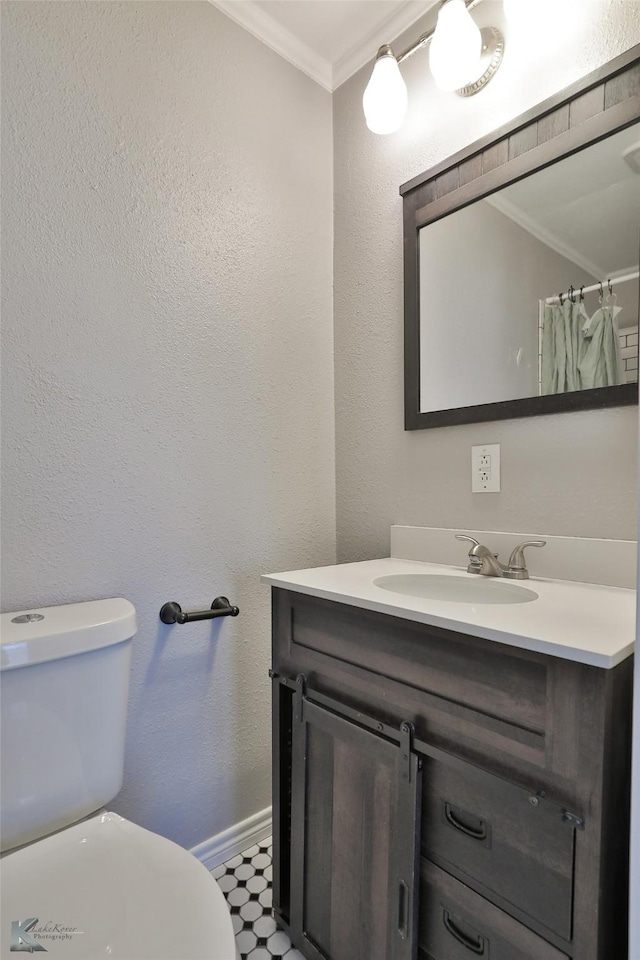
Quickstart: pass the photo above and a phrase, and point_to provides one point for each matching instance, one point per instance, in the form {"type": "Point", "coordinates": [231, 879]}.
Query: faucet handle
{"type": "Point", "coordinates": [516, 560]}
{"type": "Point", "coordinates": [461, 536]}
{"type": "Point", "coordinates": [474, 562]}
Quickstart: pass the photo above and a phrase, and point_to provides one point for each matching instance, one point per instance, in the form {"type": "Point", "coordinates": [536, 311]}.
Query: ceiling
{"type": "Point", "coordinates": [329, 40]}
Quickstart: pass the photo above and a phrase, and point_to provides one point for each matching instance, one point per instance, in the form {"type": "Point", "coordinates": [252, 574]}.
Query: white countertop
{"type": "Point", "coordinates": [584, 622]}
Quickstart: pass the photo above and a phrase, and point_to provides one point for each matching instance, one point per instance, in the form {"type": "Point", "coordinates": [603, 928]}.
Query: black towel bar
{"type": "Point", "coordinates": [172, 612]}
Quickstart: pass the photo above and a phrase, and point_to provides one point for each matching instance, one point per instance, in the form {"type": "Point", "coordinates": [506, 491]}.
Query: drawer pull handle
{"type": "Point", "coordinates": [476, 833]}
{"type": "Point", "coordinates": [403, 910]}
{"type": "Point", "coordinates": [475, 944]}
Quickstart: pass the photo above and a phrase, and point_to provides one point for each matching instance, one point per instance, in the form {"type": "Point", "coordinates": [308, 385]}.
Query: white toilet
{"type": "Point", "coordinates": [78, 882]}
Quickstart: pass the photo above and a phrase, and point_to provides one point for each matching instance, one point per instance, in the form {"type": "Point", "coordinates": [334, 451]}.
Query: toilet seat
{"type": "Point", "coordinates": [108, 888]}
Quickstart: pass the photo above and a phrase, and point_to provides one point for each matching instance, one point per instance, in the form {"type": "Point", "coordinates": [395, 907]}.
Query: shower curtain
{"type": "Point", "coordinates": [579, 352]}
{"type": "Point", "coordinates": [599, 364]}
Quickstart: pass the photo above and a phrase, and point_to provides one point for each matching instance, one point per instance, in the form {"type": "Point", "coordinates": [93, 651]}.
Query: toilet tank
{"type": "Point", "coordinates": [64, 682]}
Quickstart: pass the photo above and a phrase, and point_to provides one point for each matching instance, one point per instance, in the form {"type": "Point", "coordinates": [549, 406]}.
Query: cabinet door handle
{"type": "Point", "coordinates": [475, 944]}
{"type": "Point", "coordinates": [476, 833]}
{"type": "Point", "coordinates": [403, 910]}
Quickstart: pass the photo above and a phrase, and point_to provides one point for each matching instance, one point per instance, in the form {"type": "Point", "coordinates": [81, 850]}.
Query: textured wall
{"type": "Point", "coordinates": [570, 474]}
{"type": "Point", "coordinates": [168, 382]}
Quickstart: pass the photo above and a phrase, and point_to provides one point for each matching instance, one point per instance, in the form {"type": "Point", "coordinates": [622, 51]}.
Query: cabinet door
{"type": "Point", "coordinates": [354, 839]}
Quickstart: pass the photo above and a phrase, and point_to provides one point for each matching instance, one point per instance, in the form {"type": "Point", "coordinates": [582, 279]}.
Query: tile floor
{"type": "Point", "coordinates": [245, 881]}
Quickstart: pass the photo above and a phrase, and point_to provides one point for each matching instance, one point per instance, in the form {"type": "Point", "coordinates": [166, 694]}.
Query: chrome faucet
{"type": "Point", "coordinates": [485, 563]}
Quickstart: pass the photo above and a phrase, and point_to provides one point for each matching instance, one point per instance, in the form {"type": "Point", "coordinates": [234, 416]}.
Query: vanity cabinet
{"type": "Point", "coordinates": [443, 797]}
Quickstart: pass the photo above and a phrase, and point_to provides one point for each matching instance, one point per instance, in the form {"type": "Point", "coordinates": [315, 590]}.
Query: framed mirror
{"type": "Point", "coordinates": [521, 263]}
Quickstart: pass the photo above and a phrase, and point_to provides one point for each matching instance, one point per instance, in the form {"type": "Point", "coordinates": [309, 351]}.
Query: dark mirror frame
{"type": "Point", "coordinates": [601, 104]}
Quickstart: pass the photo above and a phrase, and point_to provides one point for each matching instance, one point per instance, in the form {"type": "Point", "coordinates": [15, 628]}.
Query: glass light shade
{"type": "Point", "coordinates": [456, 47]}
{"type": "Point", "coordinates": [385, 99]}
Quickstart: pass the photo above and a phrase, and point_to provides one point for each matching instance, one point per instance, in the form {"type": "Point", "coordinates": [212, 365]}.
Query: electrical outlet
{"type": "Point", "coordinates": [485, 468]}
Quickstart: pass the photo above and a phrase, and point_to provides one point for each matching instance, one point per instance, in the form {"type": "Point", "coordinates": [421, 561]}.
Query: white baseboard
{"type": "Point", "coordinates": [234, 840]}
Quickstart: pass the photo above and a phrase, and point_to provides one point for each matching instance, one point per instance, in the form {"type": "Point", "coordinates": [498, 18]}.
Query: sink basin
{"type": "Point", "coordinates": [477, 589]}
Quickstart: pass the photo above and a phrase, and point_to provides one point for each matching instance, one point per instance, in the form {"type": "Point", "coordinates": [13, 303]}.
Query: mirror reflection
{"type": "Point", "coordinates": [534, 289]}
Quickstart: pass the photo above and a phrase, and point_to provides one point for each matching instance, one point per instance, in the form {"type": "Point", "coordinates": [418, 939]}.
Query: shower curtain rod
{"type": "Point", "coordinates": [596, 286]}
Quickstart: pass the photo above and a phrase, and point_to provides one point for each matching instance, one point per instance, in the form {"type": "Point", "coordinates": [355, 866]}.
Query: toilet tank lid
{"type": "Point", "coordinates": [51, 633]}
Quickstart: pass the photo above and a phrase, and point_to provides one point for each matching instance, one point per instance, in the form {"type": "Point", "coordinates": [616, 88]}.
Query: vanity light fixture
{"type": "Point", "coordinates": [385, 99]}
{"type": "Point", "coordinates": [536, 14]}
{"type": "Point", "coordinates": [462, 57]}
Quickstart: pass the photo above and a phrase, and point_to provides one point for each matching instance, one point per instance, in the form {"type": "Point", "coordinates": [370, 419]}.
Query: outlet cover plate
{"type": "Point", "coordinates": [485, 468]}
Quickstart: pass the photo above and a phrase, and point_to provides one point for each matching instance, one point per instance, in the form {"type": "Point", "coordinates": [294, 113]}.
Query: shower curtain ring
{"type": "Point", "coordinates": [601, 291]}
{"type": "Point", "coordinates": [582, 293]}
{"type": "Point", "coordinates": [561, 299]}
{"type": "Point", "coordinates": [571, 293]}
{"type": "Point", "coordinates": [610, 287]}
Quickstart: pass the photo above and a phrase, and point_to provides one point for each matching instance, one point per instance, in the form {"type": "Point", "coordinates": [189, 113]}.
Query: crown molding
{"type": "Point", "coordinates": [257, 22]}
{"type": "Point", "coordinates": [389, 30]}
{"type": "Point", "coordinates": [545, 236]}
{"type": "Point", "coordinates": [261, 25]}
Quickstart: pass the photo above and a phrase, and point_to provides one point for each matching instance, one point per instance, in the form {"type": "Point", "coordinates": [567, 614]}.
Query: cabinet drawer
{"type": "Point", "coordinates": [512, 847]}
{"type": "Point", "coordinates": [458, 924]}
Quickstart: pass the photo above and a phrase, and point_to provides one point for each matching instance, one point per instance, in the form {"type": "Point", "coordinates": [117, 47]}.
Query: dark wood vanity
{"type": "Point", "coordinates": [443, 797]}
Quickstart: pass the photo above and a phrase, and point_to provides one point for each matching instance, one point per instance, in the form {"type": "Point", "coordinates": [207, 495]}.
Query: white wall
{"type": "Point", "coordinates": [168, 381]}
{"type": "Point", "coordinates": [570, 474]}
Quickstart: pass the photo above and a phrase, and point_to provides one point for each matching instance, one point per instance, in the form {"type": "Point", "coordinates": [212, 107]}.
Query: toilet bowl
{"type": "Point", "coordinates": [108, 888]}
{"type": "Point", "coordinates": [76, 881]}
